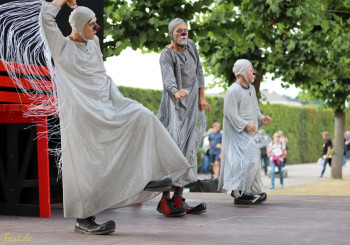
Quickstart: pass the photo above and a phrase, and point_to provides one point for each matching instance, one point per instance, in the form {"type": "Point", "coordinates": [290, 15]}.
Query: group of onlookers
{"type": "Point", "coordinates": [274, 155]}
{"type": "Point", "coordinates": [211, 151]}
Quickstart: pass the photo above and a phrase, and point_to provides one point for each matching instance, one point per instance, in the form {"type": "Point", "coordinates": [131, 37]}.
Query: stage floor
{"type": "Point", "coordinates": [282, 219]}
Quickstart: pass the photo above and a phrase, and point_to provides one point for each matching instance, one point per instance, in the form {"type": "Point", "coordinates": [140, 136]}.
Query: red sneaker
{"type": "Point", "coordinates": [166, 207]}
{"type": "Point", "coordinates": [200, 208]}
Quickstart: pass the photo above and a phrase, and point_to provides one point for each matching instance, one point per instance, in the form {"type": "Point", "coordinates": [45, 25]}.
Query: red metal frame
{"type": "Point", "coordinates": [14, 113]}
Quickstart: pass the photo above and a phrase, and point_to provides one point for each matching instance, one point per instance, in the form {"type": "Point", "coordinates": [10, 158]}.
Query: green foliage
{"type": "Point", "coordinates": [143, 24]}
{"type": "Point", "coordinates": [148, 97]}
{"type": "Point", "coordinates": [216, 114]}
{"type": "Point", "coordinates": [302, 42]}
{"type": "Point", "coordinates": [302, 125]}
{"type": "Point", "coordinates": [318, 61]}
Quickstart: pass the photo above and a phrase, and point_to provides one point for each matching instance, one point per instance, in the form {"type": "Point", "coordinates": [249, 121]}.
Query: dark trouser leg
{"type": "Point", "coordinates": [272, 170]}
{"type": "Point", "coordinates": [280, 173]}
{"type": "Point", "coordinates": [324, 167]}
{"type": "Point", "coordinates": [266, 162]}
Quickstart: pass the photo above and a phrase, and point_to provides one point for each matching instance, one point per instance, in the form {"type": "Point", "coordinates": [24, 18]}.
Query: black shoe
{"type": "Point", "coordinates": [88, 226]}
{"type": "Point", "coordinates": [245, 198]}
{"type": "Point", "coordinates": [161, 185]}
{"type": "Point", "coordinates": [261, 199]}
{"type": "Point", "coordinates": [166, 207]}
{"type": "Point", "coordinates": [250, 199]}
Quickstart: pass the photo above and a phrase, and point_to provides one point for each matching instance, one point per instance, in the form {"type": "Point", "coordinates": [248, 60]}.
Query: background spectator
{"type": "Point", "coordinates": [284, 140]}
{"type": "Point", "coordinates": [347, 143]}
{"type": "Point", "coordinates": [277, 151]}
{"type": "Point", "coordinates": [215, 139]}
{"type": "Point", "coordinates": [327, 152]}
{"type": "Point", "coordinates": [205, 156]}
{"type": "Point", "coordinates": [263, 151]}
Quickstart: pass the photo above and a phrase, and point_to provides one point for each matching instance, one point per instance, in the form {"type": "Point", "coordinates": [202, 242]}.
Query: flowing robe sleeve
{"type": "Point", "coordinates": [231, 105]}
{"type": "Point", "coordinates": [168, 74]}
{"type": "Point", "coordinates": [53, 35]}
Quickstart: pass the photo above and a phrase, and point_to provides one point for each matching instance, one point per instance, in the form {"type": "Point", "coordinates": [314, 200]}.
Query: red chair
{"type": "Point", "coordinates": [13, 108]}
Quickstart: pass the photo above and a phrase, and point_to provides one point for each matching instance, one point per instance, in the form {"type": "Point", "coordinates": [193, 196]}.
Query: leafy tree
{"type": "Point", "coordinates": [302, 42]}
{"type": "Point", "coordinates": [249, 29]}
{"type": "Point", "coordinates": [317, 60]}
{"type": "Point", "coordinates": [143, 24]}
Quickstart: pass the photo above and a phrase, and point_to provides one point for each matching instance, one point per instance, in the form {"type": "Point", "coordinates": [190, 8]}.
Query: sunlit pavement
{"type": "Point", "coordinates": [282, 219]}
{"type": "Point", "coordinates": [302, 174]}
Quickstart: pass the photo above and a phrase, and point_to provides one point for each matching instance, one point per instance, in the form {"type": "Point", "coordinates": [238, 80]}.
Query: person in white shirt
{"type": "Point", "coordinates": [277, 152]}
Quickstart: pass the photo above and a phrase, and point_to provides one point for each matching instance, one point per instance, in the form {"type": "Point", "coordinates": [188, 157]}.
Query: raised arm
{"type": "Point", "coordinates": [51, 32]}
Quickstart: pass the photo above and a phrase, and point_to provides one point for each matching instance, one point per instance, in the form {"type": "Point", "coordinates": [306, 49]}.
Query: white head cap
{"type": "Point", "coordinates": [240, 68]}
{"type": "Point", "coordinates": [79, 17]}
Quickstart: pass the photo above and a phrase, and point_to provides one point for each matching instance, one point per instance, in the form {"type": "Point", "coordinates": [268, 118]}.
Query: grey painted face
{"type": "Point", "coordinates": [240, 68]}
{"type": "Point", "coordinates": [79, 17]}
{"type": "Point", "coordinates": [171, 27]}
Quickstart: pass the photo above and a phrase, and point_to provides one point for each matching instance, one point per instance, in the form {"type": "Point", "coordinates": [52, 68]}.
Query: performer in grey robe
{"type": "Point", "coordinates": [113, 148]}
{"type": "Point", "coordinates": [240, 166]}
{"type": "Point", "coordinates": [182, 110]}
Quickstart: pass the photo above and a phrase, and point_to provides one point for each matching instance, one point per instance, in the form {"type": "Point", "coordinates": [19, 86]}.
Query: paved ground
{"type": "Point", "coordinates": [282, 219]}
{"type": "Point", "coordinates": [303, 174]}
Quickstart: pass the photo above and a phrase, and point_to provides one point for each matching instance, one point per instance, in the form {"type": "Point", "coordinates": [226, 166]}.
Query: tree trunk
{"type": "Point", "coordinates": [338, 144]}
{"type": "Point", "coordinates": [257, 82]}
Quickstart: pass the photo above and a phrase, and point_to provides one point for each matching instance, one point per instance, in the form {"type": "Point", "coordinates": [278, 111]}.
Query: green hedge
{"type": "Point", "coordinates": [148, 97]}
{"type": "Point", "coordinates": [302, 125]}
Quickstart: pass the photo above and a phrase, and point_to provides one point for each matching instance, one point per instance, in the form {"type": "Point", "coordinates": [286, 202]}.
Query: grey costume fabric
{"type": "Point", "coordinates": [240, 67]}
{"type": "Point", "coordinates": [182, 119]}
{"type": "Point", "coordinates": [111, 146]}
{"type": "Point", "coordinates": [240, 162]}
{"type": "Point", "coordinates": [79, 17]}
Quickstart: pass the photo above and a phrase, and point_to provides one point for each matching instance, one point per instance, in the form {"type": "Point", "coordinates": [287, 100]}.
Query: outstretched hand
{"type": "Point", "coordinates": [250, 127]}
{"type": "Point", "coordinates": [266, 120]}
{"type": "Point", "coordinates": [203, 105]}
{"type": "Point", "coordinates": [181, 94]}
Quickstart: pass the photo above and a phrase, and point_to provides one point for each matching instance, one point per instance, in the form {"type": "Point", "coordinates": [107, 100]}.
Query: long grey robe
{"type": "Point", "coordinates": [183, 70]}
{"type": "Point", "coordinates": [240, 165]}
{"type": "Point", "coordinates": [111, 146]}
